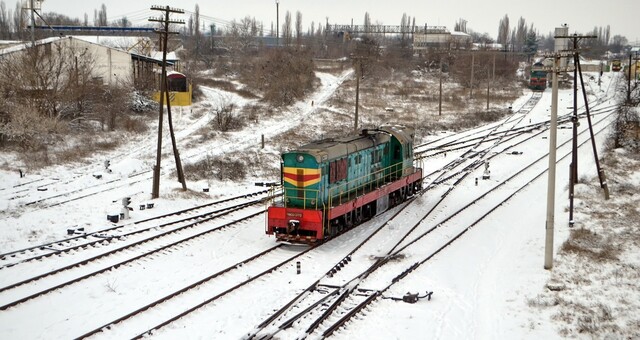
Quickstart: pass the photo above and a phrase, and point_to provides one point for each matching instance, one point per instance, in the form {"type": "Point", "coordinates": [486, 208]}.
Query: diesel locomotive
{"type": "Point", "coordinates": [334, 184]}
{"type": "Point", "coordinates": [538, 77]}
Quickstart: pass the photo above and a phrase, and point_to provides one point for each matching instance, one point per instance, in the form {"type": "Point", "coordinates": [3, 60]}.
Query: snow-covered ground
{"type": "Point", "coordinates": [482, 284]}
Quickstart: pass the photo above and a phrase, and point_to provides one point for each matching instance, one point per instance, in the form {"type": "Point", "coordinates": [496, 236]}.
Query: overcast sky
{"type": "Point", "coordinates": [481, 16]}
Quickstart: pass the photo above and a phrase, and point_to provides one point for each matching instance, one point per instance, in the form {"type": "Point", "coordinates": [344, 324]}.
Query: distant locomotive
{"type": "Point", "coordinates": [538, 77]}
{"type": "Point", "coordinates": [616, 65]}
{"type": "Point", "coordinates": [334, 184]}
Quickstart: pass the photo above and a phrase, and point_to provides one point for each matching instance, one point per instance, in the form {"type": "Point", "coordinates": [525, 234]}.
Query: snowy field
{"type": "Point", "coordinates": [483, 284]}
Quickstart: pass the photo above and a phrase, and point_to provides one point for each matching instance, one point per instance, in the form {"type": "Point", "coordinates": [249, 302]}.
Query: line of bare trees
{"type": "Point", "coordinates": [48, 88]}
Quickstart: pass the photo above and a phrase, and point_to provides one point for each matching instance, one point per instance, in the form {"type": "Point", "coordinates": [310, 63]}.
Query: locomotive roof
{"type": "Point", "coordinates": [333, 148]}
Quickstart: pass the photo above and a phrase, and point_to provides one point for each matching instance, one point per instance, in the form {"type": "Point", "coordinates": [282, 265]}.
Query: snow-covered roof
{"type": "Point", "coordinates": [24, 45]}
{"type": "Point", "coordinates": [460, 34]}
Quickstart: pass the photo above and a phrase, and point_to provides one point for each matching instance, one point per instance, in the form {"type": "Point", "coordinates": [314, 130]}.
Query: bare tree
{"type": "Point", "coordinates": [5, 23]}
{"type": "Point", "coordinates": [196, 29]}
{"type": "Point", "coordinates": [123, 22]}
{"type": "Point", "coordinates": [460, 26]}
{"type": "Point", "coordinates": [503, 31]}
{"type": "Point", "coordinates": [403, 24]}
{"type": "Point", "coordinates": [286, 29]}
{"type": "Point", "coordinates": [49, 83]}
{"type": "Point", "coordinates": [298, 28]}
{"type": "Point", "coordinates": [367, 22]}
{"type": "Point", "coordinates": [102, 16]}
{"type": "Point", "coordinates": [18, 20]}
{"type": "Point", "coordinates": [242, 35]}
{"type": "Point", "coordinates": [521, 34]}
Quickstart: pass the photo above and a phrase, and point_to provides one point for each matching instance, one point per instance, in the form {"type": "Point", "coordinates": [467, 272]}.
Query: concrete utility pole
{"type": "Point", "coordinates": [551, 183]}
{"type": "Point", "coordinates": [155, 191]}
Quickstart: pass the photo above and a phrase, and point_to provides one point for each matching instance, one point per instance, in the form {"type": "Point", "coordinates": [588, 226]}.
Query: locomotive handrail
{"type": "Point", "coordinates": [374, 180]}
{"type": "Point", "coordinates": [311, 198]}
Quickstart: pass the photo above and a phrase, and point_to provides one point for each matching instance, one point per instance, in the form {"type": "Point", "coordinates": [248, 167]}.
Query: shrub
{"type": "Point", "coordinates": [221, 168]}
{"type": "Point", "coordinates": [227, 119]}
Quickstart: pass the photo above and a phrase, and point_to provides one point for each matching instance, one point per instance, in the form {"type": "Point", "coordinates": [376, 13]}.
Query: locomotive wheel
{"type": "Point", "coordinates": [348, 221]}
{"type": "Point", "coordinates": [358, 218]}
{"type": "Point", "coordinates": [403, 194]}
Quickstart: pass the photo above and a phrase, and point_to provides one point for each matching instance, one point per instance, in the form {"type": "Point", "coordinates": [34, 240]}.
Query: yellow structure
{"type": "Point", "coordinates": [176, 98]}
{"type": "Point", "coordinates": [180, 90]}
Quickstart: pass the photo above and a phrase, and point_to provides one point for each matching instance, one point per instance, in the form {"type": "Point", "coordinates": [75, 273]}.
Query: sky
{"type": "Point", "coordinates": [481, 16]}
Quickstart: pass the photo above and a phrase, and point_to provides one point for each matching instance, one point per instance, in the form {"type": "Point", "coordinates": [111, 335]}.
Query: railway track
{"type": "Point", "coordinates": [344, 301]}
{"type": "Point", "coordinates": [329, 295]}
{"type": "Point", "coordinates": [189, 229]}
{"type": "Point", "coordinates": [339, 296]}
{"type": "Point", "coordinates": [124, 230]}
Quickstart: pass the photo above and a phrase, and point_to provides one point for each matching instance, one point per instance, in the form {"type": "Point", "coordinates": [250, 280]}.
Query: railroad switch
{"type": "Point", "coordinates": [411, 298]}
{"type": "Point", "coordinates": [72, 231]}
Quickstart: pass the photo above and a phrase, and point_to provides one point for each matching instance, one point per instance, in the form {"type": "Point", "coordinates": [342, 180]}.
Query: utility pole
{"type": "Point", "coordinates": [358, 67]}
{"type": "Point", "coordinates": [488, 85]}
{"type": "Point", "coordinates": [493, 76]}
{"type": "Point", "coordinates": [155, 191]}
{"type": "Point", "coordinates": [601, 175]}
{"type": "Point", "coordinates": [213, 30]}
{"type": "Point", "coordinates": [551, 183]}
{"type": "Point", "coordinates": [471, 83]}
{"type": "Point", "coordinates": [573, 171]}
{"type": "Point", "coordinates": [629, 81]}
{"type": "Point", "coordinates": [440, 95]}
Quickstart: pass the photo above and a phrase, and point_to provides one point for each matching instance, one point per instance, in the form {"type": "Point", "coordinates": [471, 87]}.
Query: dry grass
{"type": "Point", "coordinates": [594, 289]}
{"type": "Point", "coordinates": [77, 149]}
{"type": "Point", "coordinates": [591, 245]}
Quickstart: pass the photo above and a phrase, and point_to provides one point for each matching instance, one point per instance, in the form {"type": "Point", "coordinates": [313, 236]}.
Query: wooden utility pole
{"type": "Point", "coordinates": [473, 61]}
{"type": "Point", "coordinates": [601, 175]}
{"type": "Point", "coordinates": [629, 81]}
{"type": "Point", "coordinates": [573, 172]}
{"type": "Point", "coordinates": [155, 191]}
{"type": "Point", "coordinates": [358, 67]}
{"type": "Point", "coordinates": [176, 154]}
{"type": "Point", "coordinates": [440, 95]}
{"type": "Point", "coordinates": [488, 86]}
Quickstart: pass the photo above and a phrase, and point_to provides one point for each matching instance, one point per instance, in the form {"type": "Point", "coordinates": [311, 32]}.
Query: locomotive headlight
{"type": "Point", "coordinates": [300, 158]}
{"type": "Point", "coordinates": [313, 202]}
